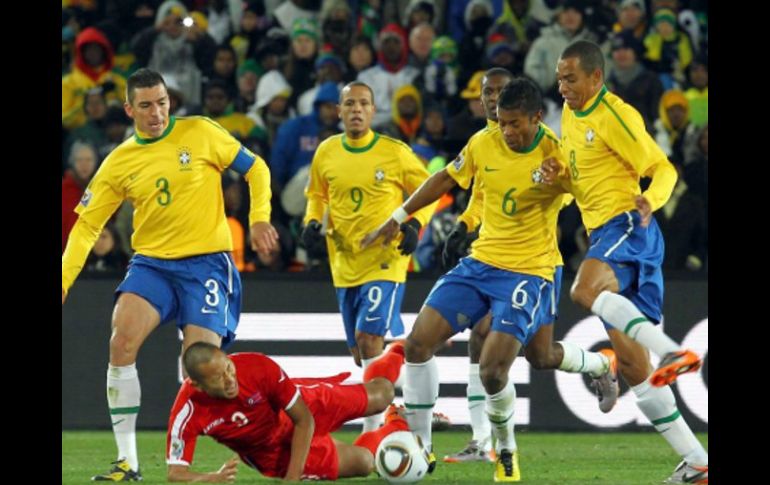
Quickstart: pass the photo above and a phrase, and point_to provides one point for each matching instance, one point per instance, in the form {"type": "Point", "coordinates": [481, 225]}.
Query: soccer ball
{"type": "Point", "coordinates": [401, 458]}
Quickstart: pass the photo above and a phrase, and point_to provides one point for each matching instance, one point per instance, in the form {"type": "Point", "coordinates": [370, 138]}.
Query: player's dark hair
{"type": "Point", "coordinates": [588, 54]}
{"type": "Point", "coordinates": [356, 83]}
{"type": "Point", "coordinates": [496, 71]}
{"type": "Point", "coordinates": [197, 354]}
{"type": "Point", "coordinates": [142, 78]}
{"type": "Point", "coordinates": [521, 94]}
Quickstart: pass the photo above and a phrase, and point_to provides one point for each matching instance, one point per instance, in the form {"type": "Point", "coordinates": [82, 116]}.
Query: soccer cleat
{"type": "Point", "coordinates": [439, 421]}
{"type": "Point", "coordinates": [431, 462]}
{"type": "Point", "coordinates": [686, 473]}
{"type": "Point", "coordinates": [472, 452]}
{"type": "Point", "coordinates": [121, 472]}
{"type": "Point", "coordinates": [672, 364]}
{"type": "Point", "coordinates": [507, 467]}
{"type": "Point", "coordinates": [606, 385]}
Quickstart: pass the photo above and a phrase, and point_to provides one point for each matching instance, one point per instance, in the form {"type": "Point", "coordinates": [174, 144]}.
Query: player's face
{"type": "Point", "coordinates": [356, 110]}
{"type": "Point", "coordinates": [490, 90]}
{"type": "Point", "coordinates": [218, 377]}
{"type": "Point", "coordinates": [519, 128]}
{"type": "Point", "coordinates": [149, 109]}
{"type": "Point", "coordinates": [575, 85]}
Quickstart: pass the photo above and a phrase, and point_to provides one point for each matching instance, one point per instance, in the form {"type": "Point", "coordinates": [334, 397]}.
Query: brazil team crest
{"type": "Point", "coordinates": [537, 176]}
{"type": "Point", "coordinates": [185, 157]}
{"type": "Point", "coordinates": [590, 135]}
{"type": "Point", "coordinates": [379, 176]}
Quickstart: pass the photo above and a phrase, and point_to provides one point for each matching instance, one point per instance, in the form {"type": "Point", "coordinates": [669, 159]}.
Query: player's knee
{"type": "Point", "coordinates": [369, 345]}
{"type": "Point", "coordinates": [583, 294]}
{"type": "Point", "coordinates": [539, 361]}
{"type": "Point", "coordinates": [123, 346]}
{"type": "Point", "coordinates": [415, 351]}
{"type": "Point", "coordinates": [493, 378]}
{"type": "Point", "coordinates": [365, 464]}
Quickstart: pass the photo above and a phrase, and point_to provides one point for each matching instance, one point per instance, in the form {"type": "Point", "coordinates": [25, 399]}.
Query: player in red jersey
{"type": "Point", "coordinates": [277, 425]}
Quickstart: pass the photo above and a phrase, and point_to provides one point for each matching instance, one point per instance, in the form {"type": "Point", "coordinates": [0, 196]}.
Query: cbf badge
{"type": "Point", "coordinates": [590, 135]}
{"type": "Point", "coordinates": [185, 157]}
{"type": "Point", "coordinates": [537, 176]}
{"type": "Point", "coordinates": [379, 176]}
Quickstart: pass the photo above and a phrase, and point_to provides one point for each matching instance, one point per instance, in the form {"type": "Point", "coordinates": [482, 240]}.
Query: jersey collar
{"type": "Point", "coordinates": [147, 141]}
{"type": "Point", "coordinates": [592, 103]}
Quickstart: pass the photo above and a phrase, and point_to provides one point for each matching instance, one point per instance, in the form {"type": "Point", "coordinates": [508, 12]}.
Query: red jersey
{"type": "Point", "coordinates": [255, 424]}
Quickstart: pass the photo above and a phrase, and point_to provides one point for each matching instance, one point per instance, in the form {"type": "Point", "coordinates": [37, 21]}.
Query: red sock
{"type": "Point", "coordinates": [371, 439]}
{"type": "Point", "coordinates": [387, 366]}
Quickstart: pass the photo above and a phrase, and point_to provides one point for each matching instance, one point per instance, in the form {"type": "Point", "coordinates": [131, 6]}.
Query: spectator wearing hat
{"type": "Point", "coordinates": [390, 73]}
{"type": "Point", "coordinates": [92, 68]}
{"type": "Point", "coordinates": [300, 66]}
{"type": "Point", "coordinates": [417, 12]}
{"type": "Point", "coordinates": [248, 76]}
{"type": "Point", "coordinates": [337, 26]}
{"type": "Point", "coordinates": [272, 107]}
{"type": "Point", "coordinates": [631, 80]}
{"type": "Point", "coordinates": [501, 52]}
{"type": "Point", "coordinates": [632, 15]}
{"type": "Point", "coordinates": [478, 18]}
{"type": "Point", "coordinates": [407, 114]}
{"type": "Point", "coordinates": [569, 27]}
{"type": "Point", "coordinates": [668, 50]}
{"type": "Point", "coordinates": [253, 24]}
{"type": "Point", "coordinates": [217, 105]}
{"type": "Point", "coordinates": [697, 92]}
{"type": "Point", "coordinates": [673, 127]}
{"type": "Point", "coordinates": [470, 120]}
{"type": "Point", "coordinates": [291, 10]}
{"type": "Point", "coordinates": [328, 67]}
{"type": "Point", "coordinates": [172, 48]}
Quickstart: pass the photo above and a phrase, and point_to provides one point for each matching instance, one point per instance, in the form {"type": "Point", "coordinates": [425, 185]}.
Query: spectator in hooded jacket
{"type": "Point", "coordinates": [82, 162]}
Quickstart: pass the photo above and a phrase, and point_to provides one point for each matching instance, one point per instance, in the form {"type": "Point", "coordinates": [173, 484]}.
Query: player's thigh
{"type": "Point", "coordinates": [593, 277]}
{"type": "Point", "coordinates": [499, 351]}
{"type": "Point", "coordinates": [134, 318]}
{"type": "Point", "coordinates": [379, 308]}
{"type": "Point", "coordinates": [193, 333]}
{"type": "Point", "coordinates": [429, 332]}
{"type": "Point", "coordinates": [353, 461]}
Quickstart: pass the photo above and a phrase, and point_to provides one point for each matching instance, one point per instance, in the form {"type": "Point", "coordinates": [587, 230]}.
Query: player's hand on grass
{"type": "Point", "coordinates": [228, 471]}
{"type": "Point", "coordinates": [550, 169]}
{"type": "Point", "coordinates": [313, 240]}
{"type": "Point", "coordinates": [388, 230]}
{"type": "Point", "coordinates": [645, 209]}
{"type": "Point", "coordinates": [264, 237]}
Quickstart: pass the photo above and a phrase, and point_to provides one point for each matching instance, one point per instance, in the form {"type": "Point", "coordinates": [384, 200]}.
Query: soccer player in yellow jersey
{"type": "Point", "coordinates": [171, 173]}
{"type": "Point", "coordinates": [360, 177]}
{"type": "Point", "coordinates": [620, 280]}
{"type": "Point", "coordinates": [510, 269]}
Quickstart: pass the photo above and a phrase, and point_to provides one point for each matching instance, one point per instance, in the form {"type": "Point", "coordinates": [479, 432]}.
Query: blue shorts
{"type": "Point", "coordinates": [374, 308]}
{"type": "Point", "coordinates": [635, 254]}
{"type": "Point", "coordinates": [201, 290]}
{"type": "Point", "coordinates": [550, 306]}
{"type": "Point", "coordinates": [472, 288]}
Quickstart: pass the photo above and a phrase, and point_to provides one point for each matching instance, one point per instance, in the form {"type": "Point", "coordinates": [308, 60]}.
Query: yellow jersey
{"type": "Point", "coordinates": [608, 149]}
{"type": "Point", "coordinates": [362, 182]}
{"type": "Point", "coordinates": [518, 211]}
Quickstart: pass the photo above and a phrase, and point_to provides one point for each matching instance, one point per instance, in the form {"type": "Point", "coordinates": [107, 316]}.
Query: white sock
{"type": "Point", "coordinates": [375, 420]}
{"type": "Point", "coordinates": [124, 396]}
{"type": "Point", "coordinates": [619, 312]}
{"type": "Point", "coordinates": [482, 431]}
{"type": "Point", "coordinates": [659, 405]}
{"type": "Point", "coordinates": [500, 408]}
{"type": "Point", "coordinates": [578, 360]}
{"type": "Point", "coordinates": [420, 394]}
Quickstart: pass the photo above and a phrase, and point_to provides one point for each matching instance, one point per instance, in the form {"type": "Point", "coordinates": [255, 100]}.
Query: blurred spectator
{"type": "Point", "coordinates": [697, 92]}
{"type": "Point", "coordinates": [82, 162]}
{"type": "Point", "coordinates": [518, 24]}
{"type": "Point", "coordinates": [420, 44]}
{"type": "Point", "coordinates": [217, 105]}
{"type": "Point", "coordinates": [70, 28]}
{"type": "Point", "coordinates": [478, 19]}
{"type": "Point", "coordinates": [673, 126]}
{"type": "Point", "coordinates": [337, 26]}
{"type": "Point", "coordinates": [360, 58]}
{"type": "Point", "coordinates": [440, 80]}
{"type": "Point", "coordinates": [696, 167]}
{"type": "Point", "coordinates": [224, 68]}
{"type": "Point", "coordinates": [683, 223]}
{"type": "Point", "coordinates": [107, 254]}
{"type": "Point", "coordinates": [501, 52]}
{"type": "Point", "coordinates": [253, 25]}
{"type": "Point", "coordinates": [300, 67]}
{"type": "Point", "coordinates": [291, 10]}
{"type": "Point", "coordinates": [92, 68]}
{"type": "Point", "coordinates": [220, 19]}
{"type": "Point", "coordinates": [540, 63]}
{"type": "Point", "coordinates": [328, 67]}
{"type": "Point", "coordinates": [296, 142]}
{"type": "Point", "coordinates": [248, 76]}
{"type": "Point", "coordinates": [632, 15]}
{"type": "Point", "coordinates": [174, 48]}
{"type": "Point", "coordinates": [634, 83]}
{"type": "Point", "coordinates": [273, 49]}
{"type": "Point", "coordinates": [117, 127]}
{"type": "Point", "coordinates": [407, 114]}
{"type": "Point", "coordinates": [390, 73]}
{"type": "Point", "coordinates": [668, 50]}
{"type": "Point", "coordinates": [272, 107]}
{"type": "Point", "coordinates": [418, 12]}
{"type": "Point", "coordinates": [179, 103]}
{"type": "Point", "coordinates": [434, 127]}
{"type": "Point", "coordinates": [95, 108]}
{"type": "Point", "coordinates": [232, 192]}
{"type": "Point", "coordinates": [470, 120]}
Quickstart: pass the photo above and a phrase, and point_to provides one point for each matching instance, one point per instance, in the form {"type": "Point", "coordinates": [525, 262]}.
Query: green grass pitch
{"type": "Point", "coordinates": [547, 458]}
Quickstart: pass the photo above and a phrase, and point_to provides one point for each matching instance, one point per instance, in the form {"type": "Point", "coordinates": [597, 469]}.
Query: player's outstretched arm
{"type": "Point", "coordinates": [182, 473]}
{"type": "Point", "coordinates": [434, 187]}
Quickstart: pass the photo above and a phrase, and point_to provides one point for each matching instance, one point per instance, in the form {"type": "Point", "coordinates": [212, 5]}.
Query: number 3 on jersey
{"type": "Point", "coordinates": [164, 198]}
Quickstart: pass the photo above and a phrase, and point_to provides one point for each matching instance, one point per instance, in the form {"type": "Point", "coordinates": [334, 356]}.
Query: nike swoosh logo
{"type": "Point", "coordinates": [371, 319]}
{"type": "Point", "coordinates": [208, 310]}
{"type": "Point", "coordinates": [506, 322]}
{"type": "Point", "coordinates": [118, 422]}
{"type": "Point", "coordinates": [487, 169]}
